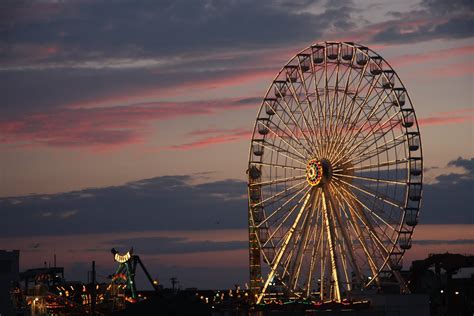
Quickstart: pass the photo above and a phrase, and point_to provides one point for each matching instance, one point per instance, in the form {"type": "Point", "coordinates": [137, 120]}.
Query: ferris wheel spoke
{"type": "Point", "coordinates": [343, 101]}
{"type": "Point", "coordinates": [362, 239]}
{"type": "Point", "coordinates": [303, 116]}
{"type": "Point", "coordinates": [345, 234]}
{"type": "Point", "coordinates": [356, 229]}
{"type": "Point", "coordinates": [274, 165]}
{"type": "Point", "coordinates": [397, 141]}
{"type": "Point", "coordinates": [372, 228]}
{"type": "Point", "coordinates": [353, 118]}
{"type": "Point", "coordinates": [351, 147]}
{"type": "Point", "coordinates": [342, 107]}
{"type": "Point", "coordinates": [303, 244]}
{"type": "Point", "coordinates": [338, 240]}
{"type": "Point", "coordinates": [326, 111]}
{"type": "Point", "coordinates": [293, 136]}
{"type": "Point", "coordinates": [280, 151]}
{"type": "Point", "coordinates": [335, 113]}
{"type": "Point", "coordinates": [289, 190]}
{"type": "Point", "coordinates": [342, 138]}
{"type": "Point", "coordinates": [377, 218]}
{"type": "Point", "coordinates": [331, 104]}
{"type": "Point", "coordinates": [388, 181]}
{"type": "Point", "coordinates": [263, 183]}
{"type": "Point", "coordinates": [315, 139]}
{"type": "Point", "coordinates": [289, 112]}
{"type": "Point", "coordinates": [331, 245]}
{"type": "Point", "coordinates": [314, 253]}
{"type": "Point", "coordinates": [276, 262]}
{"type": "Point", "coordinates": [292, 133]}
{"type": "Point", "coordinates": [375, 141]}
{"type": "Point", "coordinates": [349, 131]}
{"type": "Point", "coordinates": [346, 149]}
{"type": "Point", "coordinates": [284, 205]}
{"type": "Point", "coordinates": [373, 213]}
{"type": "Point", "coordinates": [376, 239]}
{"type": "Point", "coordinates": [321, 109]}
{"type": "Point", "coordinates": [364, 120]}
{"type": "Point", "coordinates": [373, 166]}
{"type": "Point", "coordinates": [367, 191]}
{"type": "Point", "coordinates": [293, 258]}
{"type": "Point", "coordinates": [318, 107]}
{"type": "Point", "coordinates": [285, 218]}
{"type": "Point", "coordinates": [297, 152]}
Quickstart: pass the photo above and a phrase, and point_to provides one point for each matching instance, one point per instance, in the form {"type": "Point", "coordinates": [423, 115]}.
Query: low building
{"type": "Point", "coordinates": [9, 277]}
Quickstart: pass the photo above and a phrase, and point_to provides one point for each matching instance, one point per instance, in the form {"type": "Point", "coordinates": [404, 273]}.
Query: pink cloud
{"type": "Point", "coordinates": [104, 128]}
{"type": "Point", "coordinates": [452, 117]}
{"type": "Point", "coordinates": [452, 70]}
{"type": "Point", "coordinates": [444, 54]}
{"type": "Point", "coordinates": [213, 80]}
{"type": "Point", "coordinates": [217, 137]}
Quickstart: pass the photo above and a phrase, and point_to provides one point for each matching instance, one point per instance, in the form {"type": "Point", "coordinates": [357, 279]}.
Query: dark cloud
{"type": "Point", "coordinates": [172, 203]}
{"type": "Point", "coordinates": [435, 19]}
{"type": "Point", "coordinates": [57, 54]}
{"type": "Point", "coordinates": [450, 199]}
{"type": "Point", "coordinates": [32, 91]}
{"type": "Point", "coordinates": [163, 203]}
{"type": "Point", "coordinates": [160, 28]}
{"type": "Point", "coordinates": [467, 164]}
{"type": "Point", "coordinates": [175, 245]}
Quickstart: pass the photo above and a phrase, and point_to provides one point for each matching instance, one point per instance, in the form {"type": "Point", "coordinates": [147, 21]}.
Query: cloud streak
{"type": "Point", "coordinates": [216, 137]}
{"type": "Point", "coordinates": [105, 127]}
{"type": "Point", "coordinates": [451, 53]}
{"type": "Point", "coordinates": [464, 115]}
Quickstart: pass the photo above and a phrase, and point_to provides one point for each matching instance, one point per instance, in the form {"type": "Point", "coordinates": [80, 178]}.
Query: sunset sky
{"type": "Point", "coordinates": [129, 124]}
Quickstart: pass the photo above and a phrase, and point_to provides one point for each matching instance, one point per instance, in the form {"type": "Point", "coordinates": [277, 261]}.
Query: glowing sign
{"type": "Point", "coordinates": [122, 258]}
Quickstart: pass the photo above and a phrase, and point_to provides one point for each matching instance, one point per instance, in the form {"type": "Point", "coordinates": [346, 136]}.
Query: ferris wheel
{"type": "Point", "coordinates": [335, 176]}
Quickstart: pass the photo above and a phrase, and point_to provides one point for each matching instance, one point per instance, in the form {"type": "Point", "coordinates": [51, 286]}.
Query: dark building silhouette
{"type": "Point", "coordinates": [9, 275]}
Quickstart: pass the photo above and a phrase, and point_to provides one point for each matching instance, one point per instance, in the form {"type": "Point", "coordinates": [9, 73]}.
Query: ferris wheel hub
{"type": "Point", "coordinates": [318, 171]}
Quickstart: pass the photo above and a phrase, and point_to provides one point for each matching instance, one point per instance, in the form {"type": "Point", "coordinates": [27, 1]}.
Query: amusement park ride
{"type": "Point", "coordinates": [125, 273]}
{"type": "Point", "coordinates": [334, 178]}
